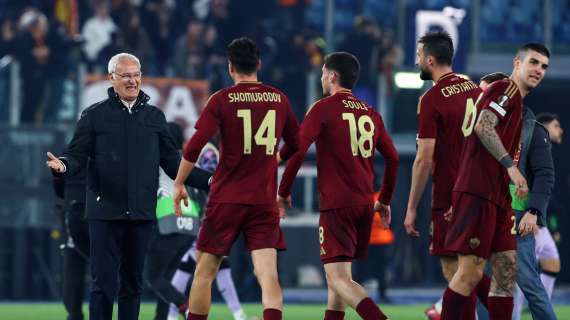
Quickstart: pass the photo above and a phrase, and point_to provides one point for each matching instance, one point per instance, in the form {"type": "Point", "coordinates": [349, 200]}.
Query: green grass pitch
{"type": "Point", "coordinates": [55, 311]}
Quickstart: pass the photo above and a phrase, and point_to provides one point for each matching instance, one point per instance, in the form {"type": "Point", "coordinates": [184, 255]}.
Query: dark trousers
{"type": "Point", "coordinates": [163, 258]}
{"type": "Point", "coordinates": [117, 260]}
{"type": "Point", "coordinates": [75, 258]}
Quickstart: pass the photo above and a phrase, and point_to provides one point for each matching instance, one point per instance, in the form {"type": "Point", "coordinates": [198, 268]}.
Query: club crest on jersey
{"type": "Point", "coordinates": [474, 243]}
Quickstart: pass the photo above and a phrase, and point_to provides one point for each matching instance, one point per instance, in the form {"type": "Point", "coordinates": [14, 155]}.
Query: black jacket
{"type": "Point", "coordinates": [536, 164]}
{"type": "Point", "coordinates": [125, 150]}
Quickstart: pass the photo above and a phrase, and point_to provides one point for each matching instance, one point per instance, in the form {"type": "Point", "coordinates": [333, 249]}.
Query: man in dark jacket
{"type": "Point", "coordinates": [126, 140]}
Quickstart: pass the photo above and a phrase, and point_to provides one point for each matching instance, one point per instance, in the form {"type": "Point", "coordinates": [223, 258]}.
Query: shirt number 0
{"type": "Point", "coordinates": [265, 135]}
{"type": "Point", "coordinates": [358, 143]}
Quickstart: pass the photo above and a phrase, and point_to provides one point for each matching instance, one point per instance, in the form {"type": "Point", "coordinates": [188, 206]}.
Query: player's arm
{"type": "Point", "coordinates": [290, 136]}
{"type": "Point", "coordinates": [206, 126]}
{"type": "Point", "coordinates": [308, 133]}
{"type": "Point", "coordinates": [391, 162]}
{"type": "Point", "coordinates": [485, 130]}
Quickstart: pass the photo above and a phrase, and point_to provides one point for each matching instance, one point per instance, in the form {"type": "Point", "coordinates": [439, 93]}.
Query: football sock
{"type": "Point", "coordinates": [548, 279]}
{"type": "Point", "coordinates": [227, 288]}
{"type": "Point", "coordinates": [334, 315]}
{"type": "Point", "coordinates": [271, 314]}
{"type": "Point", "coordinates": [180, 280]}
{"type": "Point", "coordinates": [500, 308]}
{"type": "Point", "coordinates": [482, 289]}
{"type": "Point", "coordinates": [469, 312]}
{"type": "Point", "coordinates": [192, 316]}
{"type": "Point", "coordinates": [368, 310]}
{"type": "Point", "coordinates": [453, 304]}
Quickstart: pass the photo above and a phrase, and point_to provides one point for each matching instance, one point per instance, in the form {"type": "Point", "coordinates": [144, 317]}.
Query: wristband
{"type": "Point", "coordinates": [533, 211]}
{"type": "Point", "coordinates": [506, 161]}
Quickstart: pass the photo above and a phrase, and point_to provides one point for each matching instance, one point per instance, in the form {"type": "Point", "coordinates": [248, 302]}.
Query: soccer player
{"type": "Point", "coordinates": [346, 131]}
{"type": "Point", "coordinates": [251, 118]}
{"type": "Point", "coordinates": [444, 118]}
{"type": "Point", "coordinates": [482, 223]}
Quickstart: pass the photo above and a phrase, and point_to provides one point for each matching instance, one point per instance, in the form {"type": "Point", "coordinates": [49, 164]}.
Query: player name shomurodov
{"type": "Point", "coordinates": [254, 97]}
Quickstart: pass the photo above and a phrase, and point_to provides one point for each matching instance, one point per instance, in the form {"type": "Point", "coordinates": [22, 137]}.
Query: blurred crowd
{"type": "Point", "coordinates": [177, 38]}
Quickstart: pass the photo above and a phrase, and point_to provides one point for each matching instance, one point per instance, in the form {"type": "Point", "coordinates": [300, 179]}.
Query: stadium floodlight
{"type": "Point", "coordinates": [408, 80]}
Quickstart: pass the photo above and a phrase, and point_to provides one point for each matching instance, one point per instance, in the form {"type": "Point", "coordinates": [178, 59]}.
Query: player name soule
{"type": "Point", "coordinates": [458, 88]}
{"type": "Point", "coordinates": [254, 97]}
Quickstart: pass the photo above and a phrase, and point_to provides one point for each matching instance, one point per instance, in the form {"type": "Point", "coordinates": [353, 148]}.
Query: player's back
{"type": "Point", "coordinates": [252, 119]}
{"type": "Point", "coordinates": [349, 132]}
{"type": "Point", "coordinates": [480, 173]}
{"type": "Point", "coordinates": [446, 113]}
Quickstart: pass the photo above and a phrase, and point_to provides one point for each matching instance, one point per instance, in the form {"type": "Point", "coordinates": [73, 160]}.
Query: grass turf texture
{"type": "Point", "coordinates": [55, 311]}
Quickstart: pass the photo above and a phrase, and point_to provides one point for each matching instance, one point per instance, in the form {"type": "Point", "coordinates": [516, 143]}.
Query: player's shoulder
{"type": "Point", "coordinates": [317, 105]}
{"type": "Point", "coordinates": [505, 87]}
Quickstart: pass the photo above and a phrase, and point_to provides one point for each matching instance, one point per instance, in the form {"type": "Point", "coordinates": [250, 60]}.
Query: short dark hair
{"type": "Point", "coordinates": [546, 118]}
{"type": "Point", "coordinates": [243, 55]}
{"type": "Point", "coordinates": [345, 65]}
{"type": "Point", "coordinates": [438, 45]}
{"type": "Point", "coordinates": [492, 77]}
{"type": "Point", "coordinates": [538, 47]}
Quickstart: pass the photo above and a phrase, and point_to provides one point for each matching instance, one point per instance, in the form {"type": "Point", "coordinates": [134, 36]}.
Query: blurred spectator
{"type": "Point", "coordinates": [97, 33]}
{"type": "Point", "coordinates": [6, 37]}
{"type": "Point", "coordinates": [190, 52]}
{"type": "Point", "coordinates": [387, 57]}
{"type": "Point", "coordinates": [137, 42]}
{"type": "Point", "coordinates": [115, 46]}
{"type": "Point", "coordinates": [158, 19]}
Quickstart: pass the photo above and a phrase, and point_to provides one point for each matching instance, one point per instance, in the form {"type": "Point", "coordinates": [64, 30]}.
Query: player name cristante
{"type": "Point", "coordinates": [254, 97]}
{"type": "Point", "coordinates": [448, 91]}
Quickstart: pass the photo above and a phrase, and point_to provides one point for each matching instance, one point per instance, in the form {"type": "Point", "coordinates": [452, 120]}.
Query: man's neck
{"type": "Point", "coordinates": [440, 72]}
{"type": "Point", "coordinates": [338, 88]}
{"type": "Point", "coordinates": [245, 78]}
{"type": "Point", "coordinates": [522, 88]}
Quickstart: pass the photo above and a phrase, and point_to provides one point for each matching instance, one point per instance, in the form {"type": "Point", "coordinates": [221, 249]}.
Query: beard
{"type": "Point", "coordinates": [425, 74]}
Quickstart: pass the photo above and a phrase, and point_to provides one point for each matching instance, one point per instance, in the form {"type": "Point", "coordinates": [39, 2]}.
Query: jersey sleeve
{"type": "Point", "coordinates": [309, 131]}
{"type": "Point", "coordinates": [427, 118]}
{"type": "Point", "coordinates": [206, 126]}
{"type": "Point", "coordinates": [385, 145]}
{"type": "Point", "coordinates": [496, 97]}
{"type": "Point", "coordinates": [290, 133]}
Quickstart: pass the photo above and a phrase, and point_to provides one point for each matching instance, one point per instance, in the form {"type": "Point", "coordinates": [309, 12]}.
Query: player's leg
{"type": "Point", "coordinates": [339, 279]}
{"type": "Point", "coordinates": [528, 279]}
{"type": "Point", "coordinates": [335, 305]}
{"type": "Point", "coordinates": [518, 302]}
{"type": "Point", "coordinates": [227, 289]}
{"type": "Point", "coordinates": [504, 266]}
{"type": "Point", "coordinates": [265, 269]}
{"type": "Point", "coordinates": [201, 290]}
{"type": "Point", "coordinates": [548, 258]}
{"type": "Point", "coordinates": [181, 279]}
{"type": "Point", "coordinates": [218, 232]}
{"type": "Point", "coordinates": [457, 296]}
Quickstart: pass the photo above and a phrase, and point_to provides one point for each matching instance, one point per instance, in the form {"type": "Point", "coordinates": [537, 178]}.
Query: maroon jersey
{"type": "Point", "coordinates": [346, 131]}
{"type": "Point", "coordinates": [445, 114]}
{"type": "Point", "coordinates": [479, 172]}
{"type": "Point", "coordinates": [251, 118]}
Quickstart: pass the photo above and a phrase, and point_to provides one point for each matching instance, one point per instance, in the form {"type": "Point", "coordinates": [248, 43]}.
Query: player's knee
{"type": "Point", "coordinates": [471, 278]}
{"type": "Point", "coordinates": [334, 278]}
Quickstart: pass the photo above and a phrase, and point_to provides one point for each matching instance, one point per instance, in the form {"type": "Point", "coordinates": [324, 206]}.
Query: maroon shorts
{"type": "Point", "coordinates": [437, 232]}
{"type": "Point", "coordinates": [223, 223]}
{"type": "Point", "coordinates": [344, 233]}
{"type": "Point", "coordinates": [480, 227]}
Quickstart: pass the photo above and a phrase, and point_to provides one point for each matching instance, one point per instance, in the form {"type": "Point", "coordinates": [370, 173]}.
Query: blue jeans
{"type": "Point", "coordinates": [528, 277]}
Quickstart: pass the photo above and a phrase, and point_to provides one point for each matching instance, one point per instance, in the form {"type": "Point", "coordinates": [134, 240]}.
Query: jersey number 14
{"type": "Point", "coordinates": [265, 134]}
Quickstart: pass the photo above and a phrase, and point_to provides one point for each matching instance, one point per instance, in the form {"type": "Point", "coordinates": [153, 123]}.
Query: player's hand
{"type": "Point", "coordinates": [519, 181]}
{"type": "Point", "coordinates": [447, 215]}
{"type": "Point", "coordinates": [180, 194]}
{"type": "Point", "coordinates": [410, 222]}
{"type": "Point", "coordinates": [281, 203]}
{"type": "Point", "coordinates": [54, 163]}
{"type": "Point", "coordinates": [385, 213]}
{"type": "Point", "coordinates": [528, 226]}
{"type": "Point", "coordinates": [278, 157]}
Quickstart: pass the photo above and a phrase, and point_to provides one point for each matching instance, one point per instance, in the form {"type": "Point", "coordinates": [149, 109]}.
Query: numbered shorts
{"type": "Point", "coordinates": [479, 227]}
{"type": "Point", "coordinates": [344, 233]}
{"type": "Point", "coordinates": [223, 222]}
{"type": "Point", "coordinates": [437, 232]}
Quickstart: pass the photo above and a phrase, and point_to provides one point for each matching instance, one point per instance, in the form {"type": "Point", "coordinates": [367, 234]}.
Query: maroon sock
{"type": "Point", "coordinates": [453, 304]}
{"type": "Point", "coordinates": [368, 310]}
{"type": "Point", "coordinates": [192, 316]}
{"type": "Point", "coordinates": [334, 315]}
{"type": "Point", "coordinates": [469, 312]}
{"type": "Point", "coordinates": [271, 314]}
{"type": "Point", "coordinates": [500, 308]}
{"type": "Point", "coordinates": [482, 289]}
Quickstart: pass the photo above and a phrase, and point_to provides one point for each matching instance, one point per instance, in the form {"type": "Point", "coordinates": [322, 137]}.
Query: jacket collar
{"type": "Point", "coordinates": [142, 99]}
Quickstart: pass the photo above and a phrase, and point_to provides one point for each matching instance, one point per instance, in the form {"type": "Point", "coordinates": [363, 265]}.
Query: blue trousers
{"type": "Point", "coordinates": [117, 252]}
